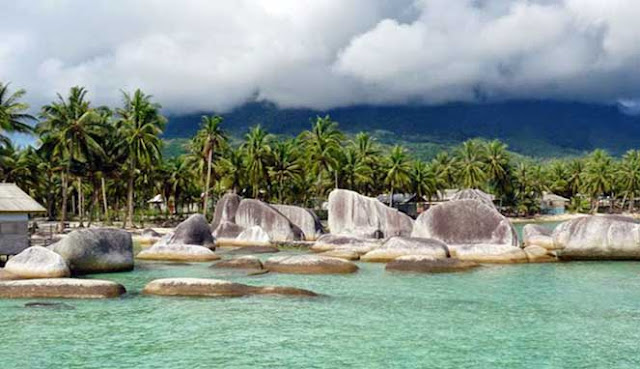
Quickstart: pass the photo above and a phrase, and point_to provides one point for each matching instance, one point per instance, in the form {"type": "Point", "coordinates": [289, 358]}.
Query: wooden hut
{"type": "Point", "coordinates": [553, 204]}
{"type": "Point", "coordinates": [15, 207]}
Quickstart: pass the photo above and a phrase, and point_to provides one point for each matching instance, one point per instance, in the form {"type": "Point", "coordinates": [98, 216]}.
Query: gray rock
{"type": "Point", "coordinates": [538, 254]}
{"type": "Point", "coordinates": [200, 287]}
{"type": "Point", "coordinates": [178, 252]}
{"type": "Point", "coordinates": [253, 250]}
{"type": "Point", "coordinates": [465, 222]}
{"type": "Point", "coordinates": [403, 246]}
{"type": "Point", "coordinates": [427, 264]}
{"type": "Point", "coordinates": [38, 262]}
{"type": "Point", "coordinates": [537, 235]}
{"type": "Point", "coordinates": [227, 231]}
{"type": "Point", "coordinates": [225, 210]}
{"type": "Point", "coordinates": [253, 236]}
{"type": "Point", "coordinates": [96, 250]}
{"type": "Point", "coordinates": [598, 238]}
{"type": "Point", "coordinates": [329, 242]}
{"type": "Point", "coordinates": [491, 254]}
{"type": "Point", "coordinates": [193, 231]}
{"type": "Point", "coordinates": [60, 288]}
{"type": "Point", "coordinates": [242, 262]}
{"type": "Point", "coordinates": [257, 213]}
{"type": "Point", "coordinates": [355, 215]}
{"type": "Point", "coordinates": [309, 264]}
{"type": "Point", "coordinates": [304, 219]}
{"type": "Point", "coordinates": [474, 194]}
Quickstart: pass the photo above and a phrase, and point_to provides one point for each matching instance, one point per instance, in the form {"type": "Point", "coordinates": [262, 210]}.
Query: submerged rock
{"type": "Point", "coordinates": [356, 215]}
{"type": "Point", "coordinates": [493, 254]}
{"type": "Point", "coordinates": [96, 250]}
{"type": "Point", "coordinates": [178, 252]}
{"type": "Point", "coordinates": [427, 264]}
{"type": "Point", "coordinates": [253, 250]}
{"type": "Point", "coordinates": [60, 288]}
{"type": "Point", "coordinates": [402, 246]}
{"type": "Point", "coordinates": [537, 235]}
{"type": "Point", "coordinates": [309, 264]}
{"type": "Point", "coordinates": [49, 305]}
{"type": "Point", "coordinates": [257, 213]}
{"type": "Point", "coordinates": [304, 219]}
{"type": "Point", "coordinates": [200, 287]}
{"type": "Point", "coordinates": [38, 262]}
{"type": "Point", "coordinates": [242, 262]}
{"type": "Point", "coordinates": [225, 211]}
{"type": "Point", "coordinates": [193, 231]}
{"type": "Point", "coordinates": [598, 238]}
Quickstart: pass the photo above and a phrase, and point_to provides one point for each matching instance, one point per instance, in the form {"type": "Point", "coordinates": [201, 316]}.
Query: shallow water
{"type": "Point", "coordinates": [578, 315]}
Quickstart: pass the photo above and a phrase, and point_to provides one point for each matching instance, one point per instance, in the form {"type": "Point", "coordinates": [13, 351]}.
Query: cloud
{"type": "Point", "coordinates": [199, 55]}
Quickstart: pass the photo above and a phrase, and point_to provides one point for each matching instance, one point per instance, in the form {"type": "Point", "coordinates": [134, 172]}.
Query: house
{"type": "Point", "coordinates": [457, 194]}
{"type": "Point", "coordinates": [553, 204]}
{"type": "Point", "coordinates": [408, 203]}
{"type": "Point", "coordinates": [15, 207]}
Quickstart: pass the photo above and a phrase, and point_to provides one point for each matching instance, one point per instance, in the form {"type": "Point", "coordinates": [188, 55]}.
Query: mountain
{"type": "Point", "coordinates": [534, 128]}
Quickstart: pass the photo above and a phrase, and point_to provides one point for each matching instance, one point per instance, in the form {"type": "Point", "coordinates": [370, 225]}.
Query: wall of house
{"type": "Point", "coordinates": [14, 233]}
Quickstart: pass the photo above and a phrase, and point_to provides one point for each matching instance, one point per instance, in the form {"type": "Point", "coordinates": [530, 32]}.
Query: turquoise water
{"type": "Point", "coordinates": [578, 315]}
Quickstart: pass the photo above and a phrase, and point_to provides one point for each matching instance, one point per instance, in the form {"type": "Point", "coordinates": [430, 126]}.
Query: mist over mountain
{"type": "Point", "coordinates": [534, 128]}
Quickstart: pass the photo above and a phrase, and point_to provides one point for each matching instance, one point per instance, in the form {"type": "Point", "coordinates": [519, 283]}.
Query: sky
{"type": "Point", "coordinates": [214, 55]}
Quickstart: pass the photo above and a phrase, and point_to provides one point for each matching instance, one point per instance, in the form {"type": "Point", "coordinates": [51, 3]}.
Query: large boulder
{"type": "Point", "coordinates": [38, 262]}
{"type": "Point", "coordinates": [353, 214]}
{"type": "Point", "coordinates": [538, 254]}
{"type": "Point", "coordinates": [491, 253]}
{"type": "Point", "coordinates": [247, 250]}
{"type": "Point", "coordinates": [329, 242]}
{"type": "Point", "coordinates": [96, 250]}
{"type": "Point", "coordinates": [427, 264]}
{"type": "Point", "coordinates": [257, 213]}
{"type": "Point", "coordinates": [403, 246]}
{"type": "Point", "coordinates": [309, 264]}
{"type": "Point", "coordinates": [60, 288]}
{"type": "Point", "coordinates": [474, 194]}
{"type": "Point", "coordinates": [538, 235]}
{"type": "Point", "coordinates": [345, 254]}
{"type": "Point", "coordinates": [226, 231]}
{"type": "Point", "coordinates": [242, 262]}
{"type": "Point", "coordinates": [178, 252]}
{"type": "Point", "coordinates": [253, 236]}
{"type": "Point", "coordinates": [193, 231]}
{"type": "Point", "coordinates": [225, 210]}
{"type": "Point", "coordinates": [598, 238]}
{"type": "Point", "coordinates": [304, 219]}
{"type": "Point", "coordinates": [200, 287]}
{"type": "Point", "coordinates": [465, 222]}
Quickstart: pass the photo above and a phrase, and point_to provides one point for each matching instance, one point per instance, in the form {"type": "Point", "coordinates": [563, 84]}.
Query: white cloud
{"type": "Point", "coordinates": [199, 55]}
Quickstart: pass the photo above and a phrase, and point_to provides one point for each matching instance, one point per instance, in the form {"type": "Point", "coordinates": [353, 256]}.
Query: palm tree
{"type": "Point", "coordinates": [629, 176]}
{"type": "Point", "coordinates": [444, 166]}
{"type": "Point", "coordinates": [575, 168]}
{"type": "Point", "coordinates": [232, 169]}
{"type": "Point", "coordinates": [323, 144]}
{"type": "Point", "coordinates": [258, 157]}
{"type": "Point", "coordinates": [140, 125]}
{"type": "Point", "coordinates": [471, 167]}
{"type": "Point", "coordinates": [212, 139]}
{"type": "Point", "coordinates": [424, 182]}
{"type": "Point", "coordinates": [71, 130]}
{"type": "Point", "coordinates": [397, 170]}
{"type": "Point", "coordinates": [286, 167]}
{"type": "Point", "coordinates": [598, 176]}
{"type": "Point", "coordinates": [498, 168]}
{"type": "Point", "coordinates": [12, 113]}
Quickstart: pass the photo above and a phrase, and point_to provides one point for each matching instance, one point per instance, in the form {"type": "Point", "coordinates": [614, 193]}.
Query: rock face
{"type": "Point", "coordinates": [227, 230]}
{"type": "Point", "coordinates": [598, 238]}
{"type": "Point", "coordinates": [225, 210]}
{"type": "Point", "coordinates": [355, 215]}
{"type": "Point", "coordinates": [193, 231]}
{"type": "Point", "coordinates": [242, 262]}
{"type": "Point", "coordinates": [345, 254]}
{"type": "Point", "coordinates": [538, 254]}
{"type": "Point", "coordinates": [465, 222]}
{"type": "Point", "coordinates": [329, 242]}
{"type": "Point", "coordinates": [474, 194]}
{"type": "Point", "coordinates": [304, 219]}
{"type": "Point", "coordinates": [96, 250]}
{"type": "Point", "coordinates": [309, 264]}
{"type": "Point", "coordinates": [494, 254]}
{"type": "Point", "coordinates": [254, 236]}
{"type": "Point", "coordinates": [178, 252]}
{"type": "Point", "coordinates": [60, 288]}
{"type": "Point", "coordinates": [427, 264]}
{"type": "Point", "coordinates": [216, 288]}
{"type": "Point", "coordinates": [38, 262]}
{"type": "Point", "coordinates": [403, 246]}
{"type": "Point", "coordinates": [537, 235]}
{"type": "Point", "coordinates": [256, 213]}
{"type": "Point", "coordinates": [253, 250]}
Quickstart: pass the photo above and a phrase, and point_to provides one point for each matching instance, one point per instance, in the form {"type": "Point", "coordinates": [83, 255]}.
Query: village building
{"type": "Point", "coordinates": [552, 204]}
{"type": "Point", "coordinates": [15, 208]}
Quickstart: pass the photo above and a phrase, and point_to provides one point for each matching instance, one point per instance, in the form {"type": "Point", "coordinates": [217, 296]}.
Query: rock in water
{"type": "Point", "coordinates": [242, 262]}
{"type": "Point", "coordinates": [60, 288]}
{"type": "Point", "coordinates": [474, 194]}
{"type": "Point", "coordinates": [465, 222]}
{"type": "Point", "coordinates": [38, 262]}
{"type": "Point", "coordinates": [492, 253]}
{"type": "Point", "coordinates": [96, 250]}
{"type": "Point", "coordinates": [328, 242]}
{"type": "Point", "coordinates": [403, 246]}
{"type": "Point", "coordinates": [253, 250]}
{"type": "Point", "coordinates": [304, 219]}
{"type": "Point", "coordinates": [538, 254]}
{"type": "Point", "coordinates": [355, 215]}
{"type": "Point", "coordinates": [339, 253]}
{"type": "Point", "coordinates": [200, 287]}
{"type": "Point", "coordinates": [537, 235]}
{"type": "Point", "coordinates": [256, 213]}
{"type": "Point", "coordinates": [225, 211]}
{"type": "Point", "coordinates": [427, 264]}
{"type": "Point", "coordinates": [193, 231]}
{"type": "Point", "coordinates": [178, 252]}
{"type": "Point", "coordinates": [309, 264]}
{"type": "Point", "coordinates": [253, 236]}
{"type": "Point", "coordinates": [598, 238]}
{"type": "Point", "coordinates": [227, 231]}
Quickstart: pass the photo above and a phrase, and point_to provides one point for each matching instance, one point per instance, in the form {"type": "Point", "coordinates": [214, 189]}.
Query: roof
{"type": "Point", "coordinates": [14, 200]}
{"type": "Point", "coordinates": [400, 198]}
{"type": "Point", "coordinates": [157, 199]}
{"type": "Point", "coordinates": [553, 197]}
{"type": "Point", "coordinates": [458, 194]}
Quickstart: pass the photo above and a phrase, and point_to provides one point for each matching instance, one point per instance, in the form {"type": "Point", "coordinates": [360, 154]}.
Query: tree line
{"type": "Point", "coordinates": [104, 163]}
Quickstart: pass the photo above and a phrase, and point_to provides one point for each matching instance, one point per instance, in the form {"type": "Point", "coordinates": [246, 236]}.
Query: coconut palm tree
{"type": "Point", "coordinates": [598, 176]}
{"type": "Point", "coordinates": [470, 164]}
{"type": "Point", "coordinates": [257, 157]}
{"type": "Point", "coordinates": [211, 138]}
{"type": "Point", "coordinates": [323, 144]}
{"type": "Point", "coordinates": [286, 167]}
{"type": "Point", "coordinates": [140, 125]}
{"type": "Point", "coordinates": [629, 176]}
{"type": "Point", "coordinates": [444, 166]}
{"type": "Point", "coordinates": [232, 169]}
{"type": "Point", "coordinates": [424, 181]}
{"type": "Point", "coordinates": [397, 170]}
{"type": "Point", "coordinates": [12, 113]}
{"type": "Point", "coordinates": [498, 167]}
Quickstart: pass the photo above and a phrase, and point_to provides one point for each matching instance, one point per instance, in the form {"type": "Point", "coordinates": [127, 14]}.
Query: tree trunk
{"type": "Point", "coordinates": [631, 202]}
{"type": "Point", "coordinates": [129, 215]}
{"type": "Point", "coordinates": [63, 209]}
{"type": "Point", "coordinates": [207, 182]}
{"type": "Point", "coordinates": [104, 201]}
{"type": "Point", "coordinates": [80, 203]}
{"type": "Point", "coordinates": [391, 197]}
